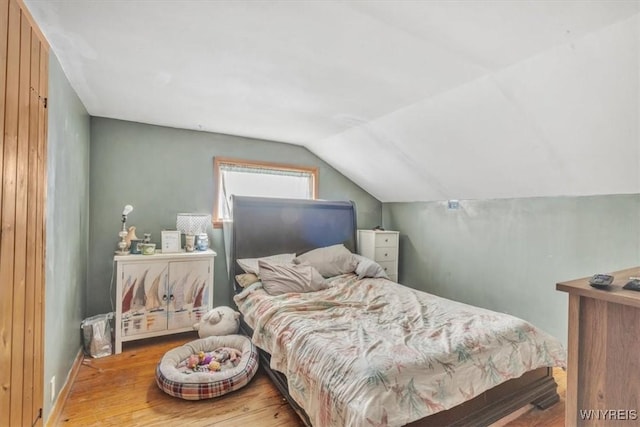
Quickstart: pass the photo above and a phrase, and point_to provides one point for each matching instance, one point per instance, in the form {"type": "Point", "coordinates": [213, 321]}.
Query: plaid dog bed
{"type": "Point", "coordinates": [196, 385]}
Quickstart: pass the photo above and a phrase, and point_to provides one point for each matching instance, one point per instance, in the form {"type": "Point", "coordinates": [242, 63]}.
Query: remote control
{"type": "Point", "coordinates": [601, 280]}
{"type": "Point", "coordinates": [633, 285]}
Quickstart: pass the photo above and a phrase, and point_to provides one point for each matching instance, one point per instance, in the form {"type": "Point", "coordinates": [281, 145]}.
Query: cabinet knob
{"type": "Point", "coordinates": [164, 297]}
{"type": "Point", "coordinates": [386, 254]}
{"type": "Point", "coordinates": [386, 240]}
{"type": "Point", "coordinates": [171, 297]}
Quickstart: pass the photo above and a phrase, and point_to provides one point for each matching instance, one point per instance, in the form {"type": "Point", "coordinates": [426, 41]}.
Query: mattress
{"type": "Point", "coordinates": [373, 352]}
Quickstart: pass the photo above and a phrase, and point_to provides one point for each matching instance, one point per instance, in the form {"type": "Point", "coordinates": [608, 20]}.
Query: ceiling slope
{"type": "Point", "coordinates": [411, 100]}
{"type": "Point", "coordinates": [564, 122]}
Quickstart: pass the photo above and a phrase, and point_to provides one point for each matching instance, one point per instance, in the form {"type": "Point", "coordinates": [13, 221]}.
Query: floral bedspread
{"type": "Point", "coordinates": [373, 352]}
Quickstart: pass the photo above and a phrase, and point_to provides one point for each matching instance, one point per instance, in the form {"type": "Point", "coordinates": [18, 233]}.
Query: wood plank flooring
{"type": "Point", "coordinates": [120, 390]}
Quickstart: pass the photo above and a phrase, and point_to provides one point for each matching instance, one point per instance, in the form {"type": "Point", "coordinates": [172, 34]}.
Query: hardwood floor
{"type": "Point", "coordinates": [551, 417]}
{"type": "Point", "coordinates": [120, 390]}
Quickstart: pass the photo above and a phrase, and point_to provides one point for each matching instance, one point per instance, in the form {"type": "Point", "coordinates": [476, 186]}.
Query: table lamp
{"type": "Point", "coordinates": [122, 244]}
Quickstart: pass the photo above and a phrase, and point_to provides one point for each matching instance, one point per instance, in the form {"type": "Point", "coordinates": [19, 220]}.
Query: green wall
{"type": "Point", "coordinates": [163, 171]}
{"type": "Point", "coordinates": [67, 238]}
{"type": "Point", "coordinates": [507, 255]}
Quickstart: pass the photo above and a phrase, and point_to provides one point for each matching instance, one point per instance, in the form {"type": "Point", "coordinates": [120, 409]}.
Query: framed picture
{"type": "Point", "coordinates": [171, 241]}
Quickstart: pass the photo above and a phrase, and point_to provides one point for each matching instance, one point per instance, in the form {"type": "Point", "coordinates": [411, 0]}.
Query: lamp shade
{"type": "Point", "coordinates": [192, 223]}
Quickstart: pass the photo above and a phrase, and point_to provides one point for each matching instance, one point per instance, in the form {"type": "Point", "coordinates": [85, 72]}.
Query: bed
{"type": "Point", "coordinates": [311, 343]}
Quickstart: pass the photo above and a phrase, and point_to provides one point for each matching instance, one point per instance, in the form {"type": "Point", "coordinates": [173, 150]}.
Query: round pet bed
{"type": "Point", "coordinates": [175, 377]}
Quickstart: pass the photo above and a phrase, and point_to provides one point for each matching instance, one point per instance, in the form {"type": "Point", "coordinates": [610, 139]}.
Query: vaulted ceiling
{"type": "Point", "coordinates": [412, 100]}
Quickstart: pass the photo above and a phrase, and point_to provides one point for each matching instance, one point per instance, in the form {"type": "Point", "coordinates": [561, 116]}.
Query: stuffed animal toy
{"type": "Point", "coordinates": [218, 321]}
{"type": "Point", "coordinates": [192, 361]}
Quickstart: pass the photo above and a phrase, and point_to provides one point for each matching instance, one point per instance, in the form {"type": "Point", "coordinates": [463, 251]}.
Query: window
{"type": "Point", "coordinates": [251, 178]}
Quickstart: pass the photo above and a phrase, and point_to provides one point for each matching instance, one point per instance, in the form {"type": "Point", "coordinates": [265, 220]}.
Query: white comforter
{"type": "Point", "coordinates": [372, 352]}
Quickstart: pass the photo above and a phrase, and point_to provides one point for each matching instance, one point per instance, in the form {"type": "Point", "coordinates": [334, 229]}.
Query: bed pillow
{"type": "Point", "coordinates": [280, 279]}
{"type": "Point", "coordinates": [247, 279]}
{"type": "Point", "coordinates": [369, 268]}
{"type": "Point", "coordinates": [250, 265]}
{"type": "Point", "coordinates": [329, 261]}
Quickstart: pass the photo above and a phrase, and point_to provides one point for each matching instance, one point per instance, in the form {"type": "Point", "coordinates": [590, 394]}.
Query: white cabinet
{"type": "Point", "coordinates": [382, 247]}
{"type": "Point", "coordinates": [161, 294]}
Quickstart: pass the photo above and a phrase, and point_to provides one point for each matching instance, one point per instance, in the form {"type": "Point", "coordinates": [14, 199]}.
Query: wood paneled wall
{"type": "Point", "coordinates": [24, 56]}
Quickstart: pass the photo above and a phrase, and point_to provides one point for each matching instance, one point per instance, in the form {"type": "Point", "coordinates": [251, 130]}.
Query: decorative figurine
{"type": "Point", "coordinates": [131, 235]}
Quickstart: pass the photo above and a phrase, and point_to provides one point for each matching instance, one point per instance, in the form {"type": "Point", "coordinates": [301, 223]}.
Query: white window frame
{"type": "Point", "coordinates": [220, 163]}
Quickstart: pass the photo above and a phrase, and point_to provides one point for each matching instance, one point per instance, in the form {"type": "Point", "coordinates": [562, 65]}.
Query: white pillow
{"type": "Point", "coordinates": [369, 268]}
{"type": "Point", "coordinates": [247, 279]}
{"type": "Point", "coordinates": [329, 261]}
{"type": "Point", "coordinates": [250, 265]}
{"type": "Point", "coordinates": [280, 279]}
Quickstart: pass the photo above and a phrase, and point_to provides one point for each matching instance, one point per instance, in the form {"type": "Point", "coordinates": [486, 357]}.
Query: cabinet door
{"type": "Point", "coordinates": [189, 287]}
{"type": "Point", "coordinates": [143, 308]}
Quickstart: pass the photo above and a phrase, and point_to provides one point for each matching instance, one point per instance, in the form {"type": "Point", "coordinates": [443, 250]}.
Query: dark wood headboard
{"type": "Point", "coordinates": [266, 226]}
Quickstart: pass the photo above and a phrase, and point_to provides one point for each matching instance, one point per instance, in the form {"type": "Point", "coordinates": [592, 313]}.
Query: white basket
{"type": "Point", "coordinates": [193, 223]}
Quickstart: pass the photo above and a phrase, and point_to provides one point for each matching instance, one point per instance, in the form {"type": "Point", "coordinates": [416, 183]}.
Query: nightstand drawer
{"type": "Point", "coordinates": [389, 240]}
{"type": "Point", "coordinates": [385, 254]}
{"type": "Point", "coordinates": [389, 267]}
{"type": "Point", "coordinates": [382, 247]}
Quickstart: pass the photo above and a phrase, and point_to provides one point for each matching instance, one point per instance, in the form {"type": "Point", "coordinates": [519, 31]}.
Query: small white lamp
{"type": "Point", "coordinates": [122, 244]}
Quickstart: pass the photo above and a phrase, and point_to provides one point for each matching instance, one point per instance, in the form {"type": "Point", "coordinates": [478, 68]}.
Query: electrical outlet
{"type": "Point", "coordinates": [53, 387]}
{"type": "Point", "coordinates": [454, 204]}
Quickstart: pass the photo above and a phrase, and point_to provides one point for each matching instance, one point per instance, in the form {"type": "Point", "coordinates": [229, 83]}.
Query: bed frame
{"type": "Point", "coordinates": [266, 226]}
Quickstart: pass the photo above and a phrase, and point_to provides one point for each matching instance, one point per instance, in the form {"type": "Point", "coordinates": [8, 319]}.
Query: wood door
{"type": "Point", "coordinates": [23, 128]}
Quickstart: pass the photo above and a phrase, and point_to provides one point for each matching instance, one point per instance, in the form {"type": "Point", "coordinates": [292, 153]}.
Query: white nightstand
{"type": "Point", "coordinates": [382, 247]}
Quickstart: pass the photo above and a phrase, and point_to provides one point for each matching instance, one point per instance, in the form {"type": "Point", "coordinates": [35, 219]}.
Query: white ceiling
{"type": "Point", "coordinates": [412, 100]}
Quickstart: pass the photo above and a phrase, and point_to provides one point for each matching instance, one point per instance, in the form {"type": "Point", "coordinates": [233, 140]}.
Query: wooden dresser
{"type": "Point", "coordinates": [603, 372]}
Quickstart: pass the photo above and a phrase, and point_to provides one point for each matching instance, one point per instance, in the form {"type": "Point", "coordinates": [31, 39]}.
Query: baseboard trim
{"type": "Point", "coordinates": [56, 411]}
